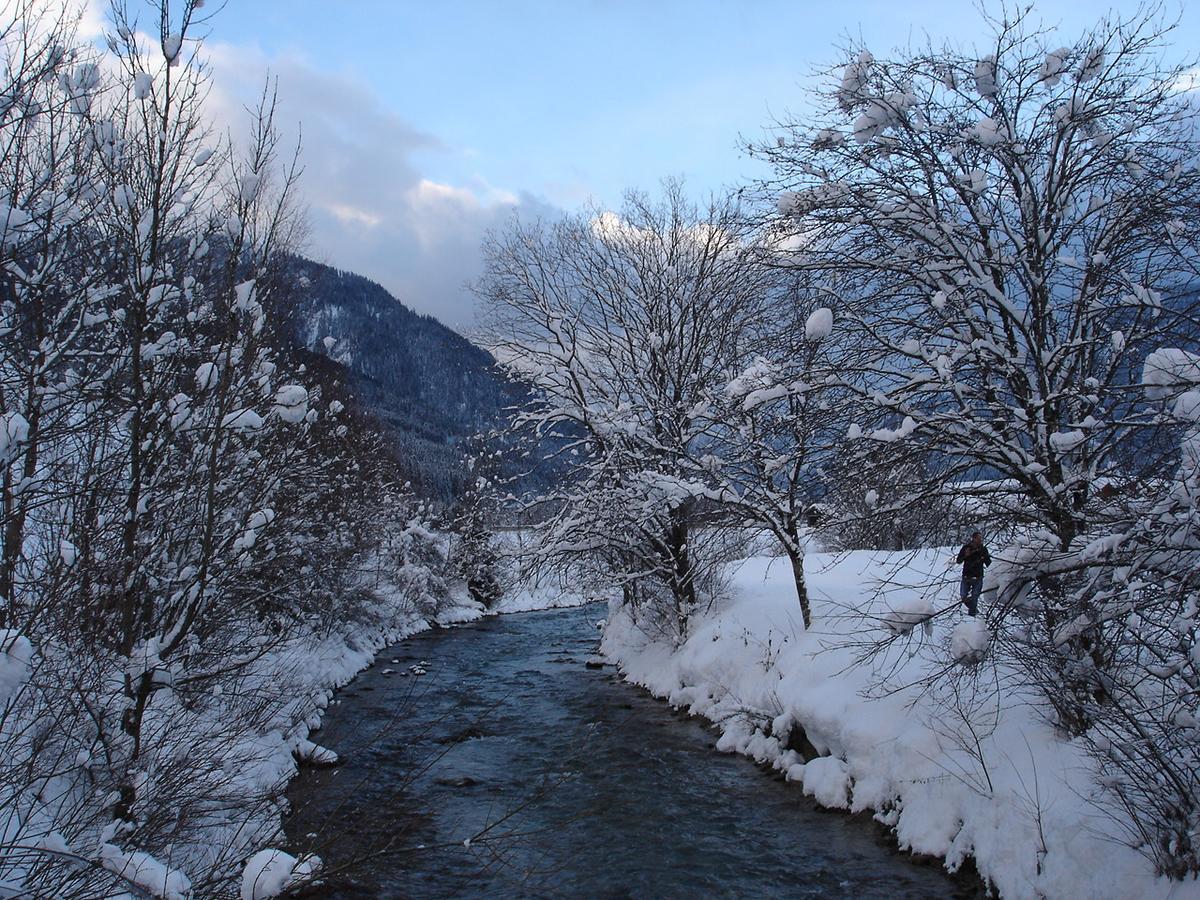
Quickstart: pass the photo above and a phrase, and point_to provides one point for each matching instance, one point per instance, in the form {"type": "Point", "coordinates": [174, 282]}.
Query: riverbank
{"type": "Point", "coordinates": [956, 769]}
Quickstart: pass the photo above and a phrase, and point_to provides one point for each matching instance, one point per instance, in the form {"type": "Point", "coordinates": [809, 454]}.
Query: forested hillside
{"type": "Point", "coordinates": [431, 388]}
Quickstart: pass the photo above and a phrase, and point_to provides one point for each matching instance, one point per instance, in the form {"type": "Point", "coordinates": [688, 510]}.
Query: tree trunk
{"type": "Point", "coordinates": [796, 558]}
{"type": "Point", "coordinates": [15, 511]}
{"type": "Point", "coordinates": [683, 578]}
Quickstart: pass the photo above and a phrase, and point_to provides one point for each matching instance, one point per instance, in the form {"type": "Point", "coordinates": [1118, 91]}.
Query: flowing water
{"type": "Point", "coordinates": [511, 769]}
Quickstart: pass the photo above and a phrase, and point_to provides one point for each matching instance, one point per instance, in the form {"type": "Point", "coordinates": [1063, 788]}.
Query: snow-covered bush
{"type": "Point", "coordinates": [474, 552]}
{"type": "Point", "coordinates": [422, 566]}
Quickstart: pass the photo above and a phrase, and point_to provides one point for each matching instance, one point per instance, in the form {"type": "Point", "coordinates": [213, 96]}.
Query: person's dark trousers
{"type": "Point", "coordinates": [969, 592]}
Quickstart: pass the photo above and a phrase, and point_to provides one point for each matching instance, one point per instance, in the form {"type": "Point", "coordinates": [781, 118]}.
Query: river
{"type": "Point", "coordinates": [511, 769]}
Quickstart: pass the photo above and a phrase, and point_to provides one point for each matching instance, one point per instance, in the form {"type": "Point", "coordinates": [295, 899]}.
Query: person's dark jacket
{"type": "Point", "coordinates": [973, 559]}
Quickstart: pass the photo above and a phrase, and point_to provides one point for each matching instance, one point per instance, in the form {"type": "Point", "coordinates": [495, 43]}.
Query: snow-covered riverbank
{"type": "Point", "coordinates": [247, 741]}
{"type": "Point", "coordinates": [956, 770]}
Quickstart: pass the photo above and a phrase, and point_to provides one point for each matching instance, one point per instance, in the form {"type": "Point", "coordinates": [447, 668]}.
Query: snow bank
{"type": "Point", "coordinates": [146, 872]}
{"type": "Point", "coordinates": [271, 872]}
{"type": "Point", "coordinates": [15, 655]}
{"type": "Point", "coordinates": [528, 598]}
{"type": "Point", "coordinates": [1017, 801]}
{"type": "Point", "coordinates": [969, 641]}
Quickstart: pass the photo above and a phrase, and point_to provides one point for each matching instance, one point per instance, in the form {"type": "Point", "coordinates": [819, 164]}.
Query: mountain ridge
{"type": "Point", "coordinates": [430, 387]}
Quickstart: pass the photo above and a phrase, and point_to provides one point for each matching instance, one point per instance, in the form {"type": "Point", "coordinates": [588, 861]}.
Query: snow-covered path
{"type": "Point", "coordinates": [611, 794]}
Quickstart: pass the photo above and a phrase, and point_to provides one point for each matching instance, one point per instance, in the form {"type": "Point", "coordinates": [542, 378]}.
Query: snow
{"type": "Point", "coordinates": [170, 47]}
{"type": "Point", "coordinates": [989, 132]}
{"type": "Point", "coordinates": [248, 187]}
{"type": "Point", "coordinates": [1066, 441]}
{"type": "Point", "coordinates": [1019, 802]}
{"type": "Point", "coordinates": [291, 403]}
{"type": "Point", "coordinates": [819, 324]}
{"type": "Point", "coordinates": [271, 872]}
{"type": "Point", "coordinates": [890, 435]}
{"type": "Point", "coordinates": [14, 431]}
{"type": "Point", "coordinates": [307, 751]}
{"type": "Point", "coordinates": [16, 652]}
{"type": "Point", "coordinates": [1092, 65]}
{"type": "Point", "coordinates": [854, 79]}
{"type": "Point", "coordinates": [1168, 371]}
{"type": "Point", "coordinates": [550, 596]}
{"type": "Point", "coordinates": [244, 294]}
{"type": "Point", "coordinates": [969, 641]}
{"type": "Point", "coordinates": [975, 180]}
{"type": "Point", "coordinates": [146, 872]}
{"type": "Point", "coordinates": [206, 376]}
{"type": "Point", "coordinates": [880, 114]}
{"type": "Point", "coordinates": [243, 420]}
{"type": "Point", "coordinates": [828, 138]}
{"type": "Point", "coordinates": [903, 615]}
{"type": "Point", "coordinates": [1187, 407]}
{"type": "Point", "coordinates": [1053, 66]}
{"type": "Point", "coordinates": [13, 224]}
{"type": "Point", "coordinates": [261, 519]}
{"type": "Point", "coordinates": [985, 76]}
{"type": "Point", "coordinates": [827, 780]}
{"type": "Point", "coordinates": [143, 85]}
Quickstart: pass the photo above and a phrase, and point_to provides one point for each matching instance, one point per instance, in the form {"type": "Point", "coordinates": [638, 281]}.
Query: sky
{"type": "Point", "coordinates": [427, 123]}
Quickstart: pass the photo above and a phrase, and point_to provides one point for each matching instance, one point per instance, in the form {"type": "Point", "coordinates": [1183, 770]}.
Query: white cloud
{"type": "Point", "coordinates": [371, 209]}
{"type": "Point", "coordinates": [1188, 81]}
{"type": "Point", "coordinates": [350, 214]}
{"type": "Point", "coordinates": [92, 15]}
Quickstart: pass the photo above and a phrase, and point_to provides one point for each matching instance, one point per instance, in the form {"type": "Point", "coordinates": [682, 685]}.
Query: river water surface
{"type": "Point", "coordinates": [511, 769]}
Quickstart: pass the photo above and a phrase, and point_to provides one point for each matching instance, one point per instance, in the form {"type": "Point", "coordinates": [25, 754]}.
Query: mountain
{"type": "Point", "coordinates": [430, 387]}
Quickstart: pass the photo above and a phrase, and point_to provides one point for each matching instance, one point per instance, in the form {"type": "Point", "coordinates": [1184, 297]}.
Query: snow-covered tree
{"type": "Point", "coordinates": [776, 428]}
{"type": "Point", "coordinates": [1022, 220]}
{"type": "Point", "coordinates": [474, 553]}
{"type": "Point", "coordinates": [626, 325]}
{"type": "Point", "coordinates": [181, 495]}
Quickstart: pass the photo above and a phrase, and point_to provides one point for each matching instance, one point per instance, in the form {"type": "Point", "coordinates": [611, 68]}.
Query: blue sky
{"type": "Point", "coordinates": [427, 123]}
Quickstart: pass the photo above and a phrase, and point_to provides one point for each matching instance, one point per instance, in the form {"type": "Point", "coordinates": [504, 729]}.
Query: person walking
{"type": "Point", "coordinates": [973, 556]}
